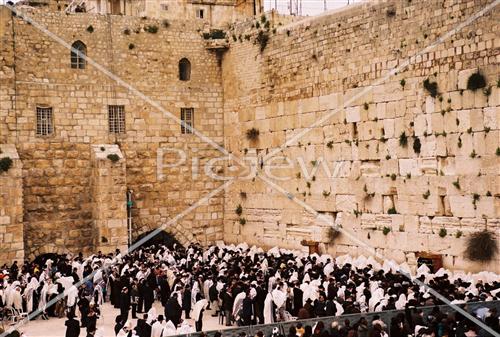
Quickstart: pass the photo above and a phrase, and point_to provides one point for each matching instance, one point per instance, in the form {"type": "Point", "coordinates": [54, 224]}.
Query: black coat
{"type": "Point", "coordinates": [298, 296]}
{"type": "Point", "coordinates": [73, 328]}
{"type": "Point", "coordinates": [173, 311]}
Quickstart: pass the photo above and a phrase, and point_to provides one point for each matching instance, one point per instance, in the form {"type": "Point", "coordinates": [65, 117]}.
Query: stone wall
{"type": "Point", "coordinates": [429, 199]}
{"type": "Point", "coordinates": [11, 207]}
{"type": "Point", "coordinates": [57, 169]}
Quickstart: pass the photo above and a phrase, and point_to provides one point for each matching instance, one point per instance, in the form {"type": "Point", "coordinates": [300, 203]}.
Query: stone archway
{"type": "Point", "coordinates": [161, 238]}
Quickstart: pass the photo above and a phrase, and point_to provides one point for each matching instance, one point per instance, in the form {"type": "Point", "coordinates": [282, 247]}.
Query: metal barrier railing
{"type": "Point", "coordinates": [385, 316]}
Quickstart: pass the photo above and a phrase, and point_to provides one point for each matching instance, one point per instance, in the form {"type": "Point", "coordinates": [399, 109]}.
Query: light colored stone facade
{"type": "Point", "coordinates": [307, 69]}
{"type": "Point", "coordinates": [320, 64]}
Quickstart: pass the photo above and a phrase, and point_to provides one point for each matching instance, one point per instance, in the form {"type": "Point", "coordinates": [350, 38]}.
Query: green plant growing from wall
{"type": "Point", "coordinates": [113, 157]}
{"type": "Point", "coordinates": [403, 139]}
{"type": "Point", "coordinates": [326, 194]}
{"type": "Point", "coordinates": [214, 34]}
{"type": "Point", "coordinates": [5, 164]}
{"type": "Point", "coordinates": [392, 210]}
{"type": "Point", "coordinates": [242, 221]}
{"type": "Point", "coordinates": [252, 134]}
{"type": "Point", "coordinates": [243, 195]}
{"type": "Point", "coordinates": [473, 154]}
{"type": "Point", "coordinates": [393, 176]}
{"type": "Point", "coordinates": [308, 184]}
{"type": "Point", "coordinates": [481, 246]}
{"type": "Point", "coordinates": [366, 106]}
{"type": "Point", "coordinates": [476, 81]}
{"type": "Point", "coordinates": [417, 146]}
{"type": "Point", "coordinates": [152, 29]}
{"type": "Point", "coordinates": [456, 183]}
{"type": "Point", "coordinates": [443, 232]}
{"type": "Point", "coordinates": [475, 199]}
{"type": "Point", "coordinates": [431, 87]}
{"type": "Point", "coordinates": [487, 91]}
{"type": "Point", "coordinates": [90, 29]}
{"type": "Point", "coordinates": [165, 23]}
{"type": "Point", "coordinates": [498, 151]}
{"type": "Point", "coordinates": [131, 46]}
{"type": "Point", "coordinates": [126, 31]}
{"type": "Point", "coordinates": [386, 230]}
{"type": "Point", "coordinates": [402, 83]}
{"type": "Point", "coordinates": [329, 144]}
{"type": "Point", "coordinates": [469, 130]}
{"type": "Point", "coordinates": [262, 39]}
{"type": "Point", "coordinates": [459, 234]}
{"type": "Point", "coordinates": [426, 194]}
{"type": "Point", "coordinates": [239, 210]}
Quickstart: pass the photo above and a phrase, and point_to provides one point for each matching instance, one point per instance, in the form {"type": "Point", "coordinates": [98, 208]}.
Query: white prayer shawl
{"type": "Point", "coordinates": [72, 296]}
{"type": "Point", "coordinates": [329, 267]}
{"type": "Point", "coordinates": [66, 281]}
{"type": "Point", "coordinates": [43, 297]}
{"type": "Point", "coordinates": [401, 302]}
{"type": "Point", "coordinates": [238, 303]}
{"type": "Point", "coordinates": [17, 301]}
{"type": "Point", "coordinates": [185, 329]}
{"type": "Point", "coordinates": [100, 294]}
{"type": "Point", "coordinates": [28, 293]}
{"type": "Point", "coordinates": [157, 328]}
{"type": "Point", "coordinates": [169, 329]}
{"type": "Point", "coordinates": [152, 316]}
{"type": "Point", "coordinates": [279, 298]}
{"type": "Point", "coordinates": [206, 287]}
{"type": "Point", "coordinates": [198, 307]}
{"type": "Point", "coordinates": [194, 291]}
{"type": "Point", "coordinates": [340, 309]}
{"type": "Point", "coordinates": [268, 309]}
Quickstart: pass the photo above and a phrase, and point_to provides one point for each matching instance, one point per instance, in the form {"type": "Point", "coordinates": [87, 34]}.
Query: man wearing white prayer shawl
{"type": "Point", "coordinates": [185, 329]}
{"type": "Point", "coordinates": [158, 327]}
{"type": "Point", "coordinates": [198, 309]}
{"type": "Point", "coordinates": [28, 293]}
{"type": "Point", "coordinates": [268, 309]}
{"type": "Point", "coordinates": [151, 315]}
{"type": "Point", "coordinates": [238, 304]}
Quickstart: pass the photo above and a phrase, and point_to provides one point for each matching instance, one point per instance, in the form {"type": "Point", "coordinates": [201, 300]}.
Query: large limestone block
{"type": "Point", "coordinates": [461, 206]}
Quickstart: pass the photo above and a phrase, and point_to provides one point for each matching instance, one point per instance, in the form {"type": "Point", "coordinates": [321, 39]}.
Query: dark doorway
{"type": "Point", "coordinates": [162, 238]}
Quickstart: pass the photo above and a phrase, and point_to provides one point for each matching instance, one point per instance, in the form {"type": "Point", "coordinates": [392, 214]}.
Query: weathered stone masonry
{"type": "Point", "coordinates": [72, 199]}
{"type": "Point", "coordinates": [311, 67]}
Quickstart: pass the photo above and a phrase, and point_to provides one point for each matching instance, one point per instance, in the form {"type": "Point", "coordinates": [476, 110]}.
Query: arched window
{"type": "Point", "coordinates": [78, 53]}
{"type": "Point", "coordinates": [184, 69]}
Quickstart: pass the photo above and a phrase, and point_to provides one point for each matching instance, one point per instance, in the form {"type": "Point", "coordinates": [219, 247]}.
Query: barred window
{"type": "Point", "coordinates": [187, 116]}
{"type": "Point", "coordinates": [78, 53]}
{"type": "Point", "coordinates": [44, 125]}
{"type": "Point", "coordinates": [116, 118]}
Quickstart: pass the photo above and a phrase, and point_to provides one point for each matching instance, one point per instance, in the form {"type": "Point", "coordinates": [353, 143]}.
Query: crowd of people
{"type": "Point", "coordinates": [242, 286]}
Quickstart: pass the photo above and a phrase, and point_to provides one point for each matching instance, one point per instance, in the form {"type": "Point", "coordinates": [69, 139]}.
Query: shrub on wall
{"type": "Point", "coordinates": [239, 210]}
{"type": "Point", "coordinates": [214, 34]}
{"type": "Point", "coordinates": [90, 29]}
{"type": "Point", "coordinates": [481, 246]}
{"type": "Point", "coordinates": [5, 164]}
{"type": "Point", "coordinates": [417, 145]}
{"type": "Point", "coordinates": [113, 157]}
{"type": "Point", "coordinates": [262, 39]}
{"type": "Point", "coordinates": [153, 29]}
{"type": "Point", "coordinates": [252, 134]}
{"type": "Point", "coordinates": [476, 81]}
{"type": "Point", "coordinates": [431, 87]}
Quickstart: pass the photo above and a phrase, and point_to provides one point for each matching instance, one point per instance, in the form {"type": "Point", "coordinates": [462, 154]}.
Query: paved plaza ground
{"type": "Point", "coordinates": [54, 327]}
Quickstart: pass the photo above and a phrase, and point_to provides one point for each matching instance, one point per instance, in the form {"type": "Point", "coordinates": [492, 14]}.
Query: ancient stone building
{"type": "Point", "coordinates": [413, 153]}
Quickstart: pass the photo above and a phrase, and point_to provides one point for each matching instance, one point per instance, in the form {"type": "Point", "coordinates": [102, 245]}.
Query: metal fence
{"type": "Point", "coordinates": [385, 316]}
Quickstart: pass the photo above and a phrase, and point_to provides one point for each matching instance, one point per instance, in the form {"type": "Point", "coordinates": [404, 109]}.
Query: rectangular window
{"type": "Point", "coordinates": [116, 118]}
{"type": "Point", "coordinates": [44, 126]}
{"type": "Point", "coordinates": [199, 13]}
{"type": "Point", "coordinates": [187, 116]}
{"type": "Point", "coordinates": [164, 7]}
